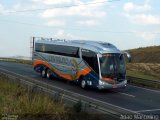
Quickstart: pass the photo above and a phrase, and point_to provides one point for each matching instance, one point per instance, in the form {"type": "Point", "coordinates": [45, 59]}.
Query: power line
{"type": "Point", "coordinates": [77, 29]}
{"type": "Point", "coordinates": [56, 7]}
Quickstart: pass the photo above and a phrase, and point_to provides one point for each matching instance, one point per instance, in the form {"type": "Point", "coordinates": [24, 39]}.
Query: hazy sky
{"type": "Point", "coordinates": [124, 23]}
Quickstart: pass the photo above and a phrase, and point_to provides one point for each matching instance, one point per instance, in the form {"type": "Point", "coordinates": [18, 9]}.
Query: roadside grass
{"type": "Point", "coordinates": [30, 105]}
{"type": "Point", "coordinates": [141, 75]}
{"type": "Point", "coordinates": [29, 62]}
{"type": "Point", "coordinates": [144, 70]}
{"type": "Point", "coordinates": [14, 99]}
{"type": "Point", "coordinates": [147, 72]}
{"type": "Point", "coordinates": [149, 54]}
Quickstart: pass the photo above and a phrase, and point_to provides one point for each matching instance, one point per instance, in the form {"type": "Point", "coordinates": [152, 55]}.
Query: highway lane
{"type": "Point", "coordinates": [133, 98]}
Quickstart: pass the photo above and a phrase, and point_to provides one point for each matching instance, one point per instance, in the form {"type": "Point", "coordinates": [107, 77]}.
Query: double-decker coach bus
{"type": "Point", "coordinates": [90, 63]}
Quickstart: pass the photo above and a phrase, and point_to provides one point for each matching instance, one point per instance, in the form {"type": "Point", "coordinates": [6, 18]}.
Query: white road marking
{"type": "Point", "coordinates": [127, 94]}
{"type": "Point", "coordinates": [145, 88]}
{"type": "Point", "coordinates": [148, 110]}
{"type": "Point", "coordinates": [73, 92]}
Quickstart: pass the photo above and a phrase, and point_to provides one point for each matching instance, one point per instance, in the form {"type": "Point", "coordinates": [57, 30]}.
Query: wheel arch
{"type": "Point", "coordinates": [81, 77]}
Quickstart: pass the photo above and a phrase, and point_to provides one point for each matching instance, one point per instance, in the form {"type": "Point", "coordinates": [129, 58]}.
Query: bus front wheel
{"type": "Point", "coordinates": [83, 84]}
{"type": "Point", "coordinates": [43, 73]}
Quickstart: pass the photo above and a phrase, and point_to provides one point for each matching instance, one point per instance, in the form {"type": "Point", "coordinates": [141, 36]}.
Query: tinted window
{"type": "Point", "coordinates": [113, 65]}
{"type": "Point", "coordinates": [90, 58]}
{"type": "Point", "coordinates": [58, 49]}
{"type": "Point", "coordinates": [38, 47]}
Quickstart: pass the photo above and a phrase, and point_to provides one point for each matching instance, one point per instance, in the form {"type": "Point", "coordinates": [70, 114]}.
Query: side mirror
{"type": "Point", "coordinates": [128, 56]}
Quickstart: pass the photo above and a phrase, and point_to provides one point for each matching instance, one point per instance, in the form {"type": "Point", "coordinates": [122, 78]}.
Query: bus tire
{"type": "Point", "coordinates": [83, 84]}
{"type": "Point", "coordinates": [43, 73]}
{"type": "Point", "coordinates": [48, 74]}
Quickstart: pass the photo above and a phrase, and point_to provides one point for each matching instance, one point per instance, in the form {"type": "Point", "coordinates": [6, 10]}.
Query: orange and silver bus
{"type": "Point", "coordinates": [90, 63]}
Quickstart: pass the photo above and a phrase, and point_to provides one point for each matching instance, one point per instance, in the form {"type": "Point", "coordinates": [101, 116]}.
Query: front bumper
{"type": "Point", "coordinates": [105, 85]}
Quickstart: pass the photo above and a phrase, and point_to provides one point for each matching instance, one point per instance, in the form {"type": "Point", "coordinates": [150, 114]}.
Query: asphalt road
{"type": "Point", "coordinates": [133, 98]}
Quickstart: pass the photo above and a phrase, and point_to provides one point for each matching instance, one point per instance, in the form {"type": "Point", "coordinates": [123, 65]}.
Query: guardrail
{"type": "Point", "coordinates": [89, 104]}
{"type": "Point", "coordinates": [144, 82]}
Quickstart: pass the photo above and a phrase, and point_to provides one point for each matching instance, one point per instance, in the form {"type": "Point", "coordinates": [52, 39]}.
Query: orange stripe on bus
{"type": "Point", "coordinates": [108, 79]}
{"type": "Point", "coordinates": [84, 72]}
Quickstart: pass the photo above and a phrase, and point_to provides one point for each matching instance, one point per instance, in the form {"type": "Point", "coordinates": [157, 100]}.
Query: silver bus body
{"type": "Point", "coordinates": [100, 64]}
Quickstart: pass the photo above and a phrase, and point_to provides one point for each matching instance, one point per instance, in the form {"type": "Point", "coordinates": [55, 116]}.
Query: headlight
{"type": "Point", "coordinates": [101, 82]}
{"type": "Point", "coordinates": [125, 82]}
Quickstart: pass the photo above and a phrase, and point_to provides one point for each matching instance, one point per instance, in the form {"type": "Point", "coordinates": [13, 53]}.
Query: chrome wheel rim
{"type": "Point", "coordinates": [83, 83]}
{"type": "Point", "coordinates": [43, 73]}
{"type": "Point", "coordinates": [48, 75]}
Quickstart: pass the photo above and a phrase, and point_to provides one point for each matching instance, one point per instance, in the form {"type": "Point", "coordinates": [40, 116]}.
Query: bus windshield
{"type": "Point", "coordinates": [112, 66]}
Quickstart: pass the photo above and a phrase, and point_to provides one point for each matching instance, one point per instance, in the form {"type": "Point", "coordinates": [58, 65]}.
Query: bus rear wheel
{"type": "Point", "coordinates": [48, 73]}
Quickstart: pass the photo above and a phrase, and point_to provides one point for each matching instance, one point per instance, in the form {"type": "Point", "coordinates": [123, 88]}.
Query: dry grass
{"type": "Point", "coordinates": [145, 64]}
{"type": "Point", "coordinates": [147, 70]}
{"type": "Point", "coordinates": [146, 54]}
{"type": "Point", "coordinates": [28, 105]}
{"type": "Point", "coordinates": [16, 61]}
{"type": "Point", "coordinates": [16, 100]}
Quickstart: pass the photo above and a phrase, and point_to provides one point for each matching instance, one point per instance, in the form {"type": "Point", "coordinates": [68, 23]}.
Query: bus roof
{"type": "Point", "coordinates": [96, 46]}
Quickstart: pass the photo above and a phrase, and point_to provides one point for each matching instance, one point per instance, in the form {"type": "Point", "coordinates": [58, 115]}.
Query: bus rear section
{"type": "Point", "coordinates": [65, 62]}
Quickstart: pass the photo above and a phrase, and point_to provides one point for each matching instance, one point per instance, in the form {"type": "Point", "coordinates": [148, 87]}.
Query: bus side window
{"type": "Point", "coordinates": [38, 47]}
{"type": "Point", "coordinates": [69, 51]}
{"type": "Point", "coordinates": [91, 58]}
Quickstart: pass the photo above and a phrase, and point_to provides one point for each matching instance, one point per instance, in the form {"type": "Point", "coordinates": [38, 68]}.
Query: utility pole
{"type": "Point", "coordinates": [32, 39]}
